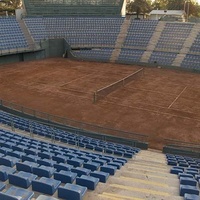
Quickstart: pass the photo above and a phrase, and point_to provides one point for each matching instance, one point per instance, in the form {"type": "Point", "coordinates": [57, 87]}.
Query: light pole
{"type": "Point", "coordinates": [187, 3]}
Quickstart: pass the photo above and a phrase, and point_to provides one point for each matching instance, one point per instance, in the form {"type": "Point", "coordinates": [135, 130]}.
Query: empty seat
{"type": "Point", "coordinates": [100, 161]}
{"type": "Point", "coordinates": [70, 191]}
{"type": "Point", "coordinates": [91, 165]}
{"type": "Point", "coordinates": [21, 179]}
{"type": "Point", "coordinates": [185, 175]}
{"type": "Point", "coordinates": [4, 171]}
{"type": "Point", "coordinates": [65, 176]}
{"type": "Point", "coordinates": [26, 166]}
{"type": "Point", "coordinates": [47, 162]}
{"type": "Point", "coordinates": [44, 171]}
{"type": "Point", "coordinates": [87, 181]}
{"type": "Point", "coordinates": [188, 189]}
{"type": "Point", "coordinates": [75, 162]}
{"type": "Point", "coordinates": [81, 171]}
{"type": "Point", "coordinates": [188, 181]}
{"type": "Point", "coordinates": [31, 158]}
{"type": "Point", "coordinates": [109, 169]}
{"type": "Point", "coordinates": [16, 154]}
{"type": "Point", "coordinates": [102, 176]}
{"type": "Point", "coordinates": [191, 197]}
{"type": "Point", "coordinates": [45, 185]}
{"type": "Point", "coordinates": [14, 193]}
{"type": "Point", "coordinates": [115, 164]}
{"type": "Point", "coordinates": [8, 161]}
{"type": "Point", "coordinates": [176, 171]}
{"type": "Point", "coordinates": [60, 158]}
{"type": "Point", "coordinates": [62, 166]}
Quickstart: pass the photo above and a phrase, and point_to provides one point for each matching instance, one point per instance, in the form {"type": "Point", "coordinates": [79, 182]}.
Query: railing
{"type": "Point", "coordinates": [86, 129]}
{"type": "Point", "coordinates": [182, 148]}
{"type": "Point", "coordinates": [16, 50]}
{"type": "Point", "coordinates": [181, 144]}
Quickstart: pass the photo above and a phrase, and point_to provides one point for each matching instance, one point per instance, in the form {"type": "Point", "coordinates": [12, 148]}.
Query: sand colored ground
{"type": "Point", "coordinates": [161, 104]}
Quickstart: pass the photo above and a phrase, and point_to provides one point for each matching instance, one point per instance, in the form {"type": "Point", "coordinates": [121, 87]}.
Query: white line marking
{"type": "Point", "coordinates": [177, 98]}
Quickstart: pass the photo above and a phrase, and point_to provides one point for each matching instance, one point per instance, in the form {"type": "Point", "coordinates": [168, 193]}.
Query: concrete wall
{"type": "Point", "coordinates": [49, 48]}
{"type": "Point", "coordinates": [56, 47]}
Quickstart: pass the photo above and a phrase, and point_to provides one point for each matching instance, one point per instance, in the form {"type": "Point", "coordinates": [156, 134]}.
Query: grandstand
{"type": "Point", "coordinates": [75, 7]}
{"type": "Point", "coordinates": [79, 130]}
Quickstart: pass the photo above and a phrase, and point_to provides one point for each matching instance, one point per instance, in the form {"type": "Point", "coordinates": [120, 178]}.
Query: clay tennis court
{"type": "Point", "coordinates": [161, 103]}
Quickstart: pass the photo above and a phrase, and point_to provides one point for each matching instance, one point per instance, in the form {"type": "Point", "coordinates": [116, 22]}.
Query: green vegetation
{"type": "Point", "coordinates": [192, 8]}
{"type": "Point", "coordinates": [9, 6]}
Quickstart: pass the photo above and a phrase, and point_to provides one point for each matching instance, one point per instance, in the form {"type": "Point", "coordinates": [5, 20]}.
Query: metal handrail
{"type": "Point", "coordinates": [72, 123]}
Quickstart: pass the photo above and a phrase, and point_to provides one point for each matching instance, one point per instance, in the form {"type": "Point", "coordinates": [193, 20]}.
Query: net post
{"type": "Point", "coordinates": [94, 99]}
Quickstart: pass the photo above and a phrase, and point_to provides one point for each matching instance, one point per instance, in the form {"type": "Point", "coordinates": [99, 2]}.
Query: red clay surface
{"type": "Point", "coordinates": [161, 104]}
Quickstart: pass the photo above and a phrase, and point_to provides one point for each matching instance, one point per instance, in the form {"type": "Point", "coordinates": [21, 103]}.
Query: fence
{"type": "Point", "coordinates": [86, 129]}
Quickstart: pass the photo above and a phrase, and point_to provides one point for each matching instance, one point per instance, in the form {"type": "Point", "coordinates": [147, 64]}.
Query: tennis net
{"type": "Point", "coordinates": [103, 92]}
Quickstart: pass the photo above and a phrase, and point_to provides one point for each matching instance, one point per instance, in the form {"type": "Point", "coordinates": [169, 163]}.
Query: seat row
{"type": "Point", "coordinates": [187, 169]}
{"type": "Point", "coordinates": [68, 137]}
{"type": "Point", "coordinates": [26, 162]}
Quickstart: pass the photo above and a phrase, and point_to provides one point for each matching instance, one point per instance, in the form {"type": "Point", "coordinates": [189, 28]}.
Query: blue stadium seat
{"type": "Point", "coordinates": [70, 191]}
{"type": "Point", "coordinates": [14, 193]}
{"type": "Point", "coordinates": [65, 176]}
{"type": "Point", "coordinates": [21, 179]}
{"type": "Point", "coordinates": [44, 171]}
{"type": "Point", "coordinates": [87, 181]}
{"type": "Point", "coordinates": [45, 185]}
{"type": "Point", "coordinates": [91, 165]}
{"type": "Point", "coordinates": [75, 162]}
{"type": "Point", "coordinates": [191, 197]}
{"type": "Point", "coordinates": [63, 166]}
{"type": "Point", "coordinates": [5, 171]}
{"type": "Point", "coordinates": [102, 176]}
{"type": "Point", "coordinates": [185, 189]}
{"type": "Point", "coordinates": [8, 161]}
{"type": "Point", "coordinates": [108, 169]}
{"type": "Point", "coordinates": [26, 166]}
{"type": "Point", "coordinates": [188, 181]}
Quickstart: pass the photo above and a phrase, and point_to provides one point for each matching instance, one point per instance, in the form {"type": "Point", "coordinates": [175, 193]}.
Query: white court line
{"type": "Point", "coordinates": [177, 98]}
{"type": "Point", "coordinates": [75, 80]}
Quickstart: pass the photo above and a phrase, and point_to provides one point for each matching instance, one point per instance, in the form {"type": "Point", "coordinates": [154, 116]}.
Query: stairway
{"type": "Point", "coordinates": [144, 177]}
{"type": "Point", "coordinates": [152, 42]}
{"type": "Point", "coordinates": [27, 35]}
{"type": "Point", "coordinates": [186, 46]}
{"type": "Point", "coordinates": [120, 40]}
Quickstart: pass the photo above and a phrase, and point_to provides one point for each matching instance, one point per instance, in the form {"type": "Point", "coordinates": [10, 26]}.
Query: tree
{"type": "Point", "coordinates": [194, 8]}
{"type": "Point", "coordinates": [10, 5]}
{"type": "Point", "coordinates": [138, 7]}
{"type": "Point", "coordinates": [159, 4]}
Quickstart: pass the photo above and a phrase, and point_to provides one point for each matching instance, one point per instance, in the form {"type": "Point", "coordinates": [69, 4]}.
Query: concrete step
{"type": "Point", "coordinates": [120, 40]}
{"type": "Point", "coordinates": [186, 46]}
{"type": "Point", "coordinates": [152, 42]}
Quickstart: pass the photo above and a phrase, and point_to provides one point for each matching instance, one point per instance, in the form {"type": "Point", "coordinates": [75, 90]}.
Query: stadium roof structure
{"type": "Point", "coordinates": [73, 7]}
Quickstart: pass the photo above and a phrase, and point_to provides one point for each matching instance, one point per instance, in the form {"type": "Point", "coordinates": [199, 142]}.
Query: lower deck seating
{"type": "Point", "coordinates": [162, 58]}
{"type": "Point", "coordinates": [130, 55]}
{"type": "Point", "coordinates": [11, 35]}
{"type": "Point", "coordinates": [28, 173]}
{"type": "Point", "coordinates": [188, 174]}
{"type": "Point", "coordinates": [191, 62]}
{"type": "Point", "coordinates": [103, 54]}
{"type": "Point", "coordinates": [60, 135]}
